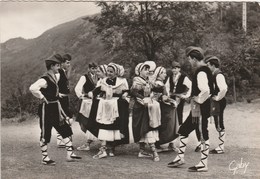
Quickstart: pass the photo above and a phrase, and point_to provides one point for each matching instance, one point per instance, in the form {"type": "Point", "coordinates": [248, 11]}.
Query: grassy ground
{"type": "Point", "coordinates": [21, 156]}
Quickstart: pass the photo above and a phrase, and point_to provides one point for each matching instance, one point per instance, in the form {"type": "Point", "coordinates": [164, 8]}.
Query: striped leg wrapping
{"type": "Point", "coordinates": [44, 147]}
{"type": "Point", "coordinates": [70, 138]}
{"type": "Point", "coordinates": [182, 148]}
{"type": "Point", "coordinates": [204, 155]}
{"type": "Point", "coordinates": [183, 144]}
{"type": "Point", "coordinates": [70, 154]}
{"type": "Point", "coordinates": [59, 140]}
{"type": "Point", "coordinates": [221, 138]}
{"type": "Point", "coordinates": [179, 159]}
{"type": "Point", "coordinates": [68, 145]}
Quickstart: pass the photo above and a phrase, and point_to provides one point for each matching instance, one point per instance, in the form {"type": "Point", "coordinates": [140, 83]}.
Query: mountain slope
{"type": "Point", "coordinates": [22, 61]}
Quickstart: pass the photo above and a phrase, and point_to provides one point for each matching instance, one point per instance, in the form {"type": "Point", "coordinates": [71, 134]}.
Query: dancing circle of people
{"type": "Point", "coordinates": [153, 105]}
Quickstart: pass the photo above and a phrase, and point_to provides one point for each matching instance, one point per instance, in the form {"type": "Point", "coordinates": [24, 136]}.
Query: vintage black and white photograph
{"type": "Point", "coordinates": [130, 89]}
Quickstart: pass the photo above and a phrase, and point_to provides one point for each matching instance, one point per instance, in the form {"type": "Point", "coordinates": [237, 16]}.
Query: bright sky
{"type": "Point", "coordinates": [31, 19]}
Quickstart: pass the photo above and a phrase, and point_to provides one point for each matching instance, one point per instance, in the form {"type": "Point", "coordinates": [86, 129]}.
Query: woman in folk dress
{"type": "Point", "coordinates": [146, 112]}
{"type": "Point", "coordinates": [110, 110]}
{"type": "Point", "coordinates": [168, 130]}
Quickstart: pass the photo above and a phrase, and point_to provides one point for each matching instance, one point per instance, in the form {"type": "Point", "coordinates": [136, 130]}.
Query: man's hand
{"type": "Point", "coordinates": [196, 99]}
{"type": "Point", "coordinates": [164, 98]}
{"type": "Point", "coordinates": [146, 101]}
{"type": "Point", "coordinates": [69, 120]}
{"type": "Point", "coordinates": [214, 98]}
{"type": "Point", "coordinates": [45, 100]}
{"type": "Point", "coordinates": [146, 104]}
{"type": "Point", "coordinates": [124, 95]}
{"type": "Point", "coordinates": [182, 96]}
{"type": "Point", "coordinates": [90, 95]}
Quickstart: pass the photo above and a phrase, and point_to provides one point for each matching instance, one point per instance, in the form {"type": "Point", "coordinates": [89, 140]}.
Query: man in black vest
{"type": "Point", "coordinates": [63, 83]}
{"type": "Point", "coordinates": [178, 85]}
{"type": "Point", "coordinates": [64, 91]}
{"type": "Point", "coordinates": [202, 87]}
{"type": "Point", "coordinates": [218, 97]}
{"type": "Point", "coordinates": [86, 84]}
{"type": "Point", "coordinates": [50, 111]}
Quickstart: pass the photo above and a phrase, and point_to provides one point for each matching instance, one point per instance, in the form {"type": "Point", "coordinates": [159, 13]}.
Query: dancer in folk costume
{"type": "Point", "coordinates": [85, 85]}
{"type": "Point", "coordinates": [168, 131]}
{"type": "Point", "coordinates": [110, 110]}
{"type": "Point", "coordinates": [218, 102]}
{"type": "Point", "coordinates": [50, 111]}
{"type": "Point", "coordinates": [146, 112]}
{"type": "Point", "coordinates": [178, 85]}
{"type": "Point", "coordinates": [202, 88]}
{"type": "Point", "coordinates": [63, 84]}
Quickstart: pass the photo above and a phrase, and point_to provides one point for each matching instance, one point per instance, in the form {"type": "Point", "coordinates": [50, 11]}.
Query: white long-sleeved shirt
{"type": "Point", "coordinates": [187, 83]}
{"type": "Point", "coordinates": [40, 83]}
{"type": "Point", "coordinates": [222, 85]}
{"type": "Point", "coordinates": [35, 88]}
{"type": "Point", "coordinates": [203, 87]}
{"type": "Point", "coordinates": [79, 87]}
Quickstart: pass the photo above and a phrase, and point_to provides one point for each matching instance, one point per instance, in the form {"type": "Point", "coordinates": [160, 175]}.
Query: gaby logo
{"type": "Point", "coordinates": [234, 166]}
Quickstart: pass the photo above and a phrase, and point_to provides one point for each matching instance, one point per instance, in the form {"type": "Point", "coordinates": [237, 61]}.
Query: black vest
{"type": "Point", "coordinates": [63, 83]}
{"type": "Point", "coordinates": [195, 90]}
{"type": "Point", "coordinates": [89, 84]}
{"type": "Point", "coordinates": [51, 93]}
{"type": "Point", "coordinates": [180, 87]}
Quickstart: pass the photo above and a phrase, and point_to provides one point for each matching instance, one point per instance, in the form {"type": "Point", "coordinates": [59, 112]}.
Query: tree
{"type": "Point", "coordinates": [138, 31]}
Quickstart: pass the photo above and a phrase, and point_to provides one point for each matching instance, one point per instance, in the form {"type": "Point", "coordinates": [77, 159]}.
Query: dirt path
{"type": "Point", "coordinates": [20, 153]}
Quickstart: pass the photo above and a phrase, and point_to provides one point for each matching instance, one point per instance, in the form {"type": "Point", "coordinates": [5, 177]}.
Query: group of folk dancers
{"type": "Point", "coordinates": [154, 101]}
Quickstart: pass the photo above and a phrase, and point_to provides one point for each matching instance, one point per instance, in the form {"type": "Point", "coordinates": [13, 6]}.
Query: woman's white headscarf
{"type": "Point", "coordinates": [119, 69]}
{"type": "Point", "coordinates": [139, 66]}
{"type": "Point", "coordinates": [151, 64]}
{"type": "Point", "coordinates": [156, 74]}
{"type": "Point", "coordinates": [103, 68]}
